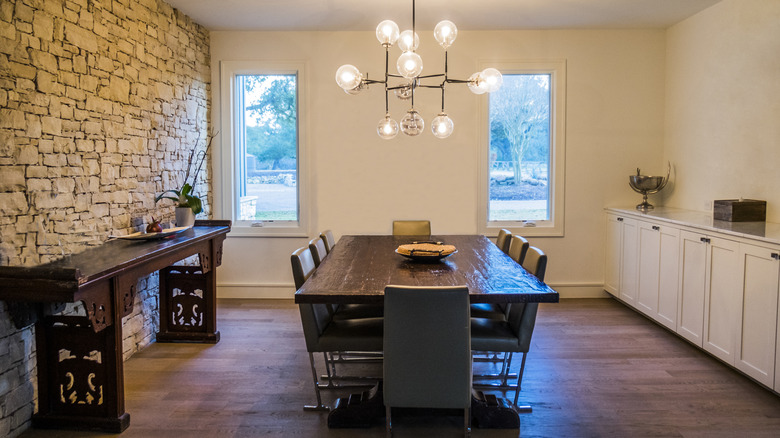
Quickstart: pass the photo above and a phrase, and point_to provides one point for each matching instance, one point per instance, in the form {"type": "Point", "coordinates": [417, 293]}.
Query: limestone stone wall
{"type": "Point", "coordinates": [101, 104]}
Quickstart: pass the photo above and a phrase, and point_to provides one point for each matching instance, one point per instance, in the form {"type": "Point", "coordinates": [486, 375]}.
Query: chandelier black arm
{"type": "Point", "coordinates": [457, 81]}
{"type": "Point", "coordinates": [373, 81]}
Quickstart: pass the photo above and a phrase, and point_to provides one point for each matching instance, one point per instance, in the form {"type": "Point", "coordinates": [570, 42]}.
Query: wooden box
{"type": "Point", "coordinates": [739, 210]}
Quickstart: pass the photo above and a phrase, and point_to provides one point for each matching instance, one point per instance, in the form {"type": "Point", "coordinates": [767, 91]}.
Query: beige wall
{"type": "Point", "coordinates": [723, 105]}
{"type": "Point", "coordinates": [360, 183]}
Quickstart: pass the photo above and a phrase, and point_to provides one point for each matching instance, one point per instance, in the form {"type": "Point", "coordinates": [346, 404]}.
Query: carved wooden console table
{"type": "Point", "coordinates": [80, 369]}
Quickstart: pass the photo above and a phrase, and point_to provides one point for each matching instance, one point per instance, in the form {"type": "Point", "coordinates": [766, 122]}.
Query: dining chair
{"type": "Point", "coordinates": [324, 334]}
{"type": "Point", "coordinates": [412, 228]}
{"type": "Point", "coordinates": [427, 349]}
{"type": "Point", "coordinates": [330, 242]}
{"type": "Point", "coordinates": [518, 247]}
{"type": "Point", "coordinates": [318, 250]}
{"type": "Point", "coordinates": [502, 241]}
{"type": "Point", "coordinates": [512, 335]}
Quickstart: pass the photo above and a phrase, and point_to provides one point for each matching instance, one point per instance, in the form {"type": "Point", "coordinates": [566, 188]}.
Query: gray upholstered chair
{"type": "Point", "coordinates": [427, 349]}
{"type": "Point", "coordinates": [324, 334]}
{"type": "Point", "coordinates": [330, 242]}
{"type": "Point", "coordinates": [502, 241]}
{"type": "Point", "coordinates": [514, 334]}
{"type": "Point", "coordinates": [318, 250]}
{"type": "Point", "coordinates": [518, 247]}
{"type": "Point", "coordinates": [411, 228]}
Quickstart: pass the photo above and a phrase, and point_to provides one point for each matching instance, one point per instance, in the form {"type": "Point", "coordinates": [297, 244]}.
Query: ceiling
{"type": "Point", "coordinates": [333, 15]}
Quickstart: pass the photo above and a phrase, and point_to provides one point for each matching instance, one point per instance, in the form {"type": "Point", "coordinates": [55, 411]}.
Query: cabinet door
{"type": "Point", "coordinates": [629, 265]}
{"type": "Point", "coordinates": [756, 342]}
{"type": "Point", "coordinates": [693, 263]}
{"type": "Point", "coordinates": [722, 306]}
{"type": "Point", "coordinates": [669, 268]}
{"type": "Point", "coordinates": [649, 267]}
{"type": "Point", "coordinates": [613, 256]}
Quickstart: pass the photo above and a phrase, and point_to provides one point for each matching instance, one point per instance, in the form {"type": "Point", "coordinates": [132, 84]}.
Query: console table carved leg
{"type": "Point", "coordinates": [80, 370]}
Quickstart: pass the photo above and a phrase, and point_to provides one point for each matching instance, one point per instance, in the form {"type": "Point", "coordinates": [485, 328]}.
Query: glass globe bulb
{"type": "Point", "coordinates": [492, 78]}
{"type": "Point", "coordinates": [387, 128]}
{"type": "Point", "coordinates": [476, 84]}
{"type": "Point", "coordinates": [442, 126]}
{"type": "Point", "coordinates": [348, 77]}
{"type": "Point", "coordinates": [409, 65]}
{"type": "Point", "coordinates": [356, 90]}
{"type": "Point", "coordinates": [445, 33]}
{"type": "Point", "coordinates": [412, 124]}
{"type": "Point", "coordinates": [387, 33]}
{"type": "Point", "coordinates": [408, 41]}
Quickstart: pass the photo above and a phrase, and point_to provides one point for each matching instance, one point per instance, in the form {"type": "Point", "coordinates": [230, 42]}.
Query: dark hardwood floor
{"type": "Point", "coordinates": [596, 369]}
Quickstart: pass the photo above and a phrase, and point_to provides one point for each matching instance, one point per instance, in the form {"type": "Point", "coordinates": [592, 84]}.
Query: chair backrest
{"type": "Point", "coordinates": [411, 228]}
{"type": "Point", "coordinates": [318, 250]}
{"type": "Point", "coordinates": [502, 241]}
{"type": "Point", "coordinates": [518, 247]}
{"type": "Point", "coordinates": [427, 347]}
{"type": "Point", "coordinates": [330, 242]}
{"type": "Point", "coordinates": [302, 266]}
{"type": "Point", "coordinates": [535, 262]}
{"type": "Point", "coordinates": [522, 319]}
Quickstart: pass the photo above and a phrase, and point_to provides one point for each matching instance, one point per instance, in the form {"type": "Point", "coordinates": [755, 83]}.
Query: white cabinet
{"type": "Point", "coordinates": [693, 263]}
{"type": "Point", "coordinates": [658, 260]}
{"type": "Point", "coordinates": [628, 263]}
{"type": "Point", "coordinates": [757, 342]}
{"type": "Point", "coordinates": [620, 274]}
{"type": "Point", "coordinates": [721, 305]}
{"type": "Point", "coordinates": [718, 290]}
{"type": "Point", "coordinates": [710, 278]}
{"type": "Point", "coordinates": [613, 254]}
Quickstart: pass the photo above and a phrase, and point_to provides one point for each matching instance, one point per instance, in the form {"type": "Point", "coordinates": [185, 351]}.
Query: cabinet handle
{"type": "Point", "coordinates": [776, 256]}
{"type": "Point", "coordinates": [656, 228]}
{"type": "Point", "coordinates": [705, 239]}
{"type": "Point", "coordinates": [620, 219]}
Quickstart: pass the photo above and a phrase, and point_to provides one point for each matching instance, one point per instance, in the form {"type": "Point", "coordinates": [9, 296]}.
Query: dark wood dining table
{"type": "Point", "coordinates": [359, 267]}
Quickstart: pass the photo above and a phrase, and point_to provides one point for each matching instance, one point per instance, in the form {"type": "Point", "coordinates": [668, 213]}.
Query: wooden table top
{"type": "Point", "coordinates": [359, 267]}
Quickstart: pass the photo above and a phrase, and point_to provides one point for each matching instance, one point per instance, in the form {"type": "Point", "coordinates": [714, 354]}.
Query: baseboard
{"type": "Point", "coordinates": [580, 290]}
{"type": "Point", "coordinates": [287, 291]}
{"type": "Point", "coordinates": [257, 291]}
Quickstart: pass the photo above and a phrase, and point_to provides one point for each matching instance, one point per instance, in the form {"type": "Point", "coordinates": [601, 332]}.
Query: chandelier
{"type": "Point", "coordinates": [408, 79]}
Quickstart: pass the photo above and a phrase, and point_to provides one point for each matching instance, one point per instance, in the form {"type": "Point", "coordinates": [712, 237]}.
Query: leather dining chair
{"type": "Point", "coordinates": [318, 250]}
{"type": "Point", "coordinates": [330, 242]}
{"type": "Point", "coordinates": [502, 241]}
{"type": "Point", "coordinates": [325, 334]}
{"type": "Point", "coordinates": [514, 334]}
{"type": "Point", "coordinates": [518, 247]}
{"type": "Point", "coordinates": [427, 350]}
{"type": "Point", "coordinates": [412, 228]}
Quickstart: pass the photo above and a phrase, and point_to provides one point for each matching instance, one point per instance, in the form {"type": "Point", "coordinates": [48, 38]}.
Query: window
{"type": "Point", "coordinates": [263, 181]}
{"type": "Point", "coordinates": [522, 156]}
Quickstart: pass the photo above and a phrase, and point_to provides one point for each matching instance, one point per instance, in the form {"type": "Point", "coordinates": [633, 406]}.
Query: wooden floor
{"type": "Point", "coordinates": [596, 369]}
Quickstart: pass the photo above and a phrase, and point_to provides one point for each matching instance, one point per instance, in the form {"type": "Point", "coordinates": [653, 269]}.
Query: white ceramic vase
{"type": "Point", "coordinates": [184, 217]}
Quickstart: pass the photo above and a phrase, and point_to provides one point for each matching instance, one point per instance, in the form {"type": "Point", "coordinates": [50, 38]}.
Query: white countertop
{"type": "Point", "coordinates": [765, 232]}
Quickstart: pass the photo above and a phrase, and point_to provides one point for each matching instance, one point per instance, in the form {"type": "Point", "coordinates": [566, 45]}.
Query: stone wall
{"type": "Point", "coordinates": [101, 104]}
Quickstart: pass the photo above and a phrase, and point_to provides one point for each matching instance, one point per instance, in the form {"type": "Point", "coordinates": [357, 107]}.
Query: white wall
{"type": "Point", "coordinates": [723, 105]}
{"type": "Point", "coordinates": [361, 183]}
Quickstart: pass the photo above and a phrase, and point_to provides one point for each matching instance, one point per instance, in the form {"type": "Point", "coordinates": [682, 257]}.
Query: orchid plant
{"type": "Point", "coordinates": [184, 196]}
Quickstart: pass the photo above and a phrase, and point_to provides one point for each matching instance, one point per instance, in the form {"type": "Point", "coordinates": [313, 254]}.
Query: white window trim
{"type": "Point", "coordinates": [224, 170]}
{"type": "Point", "coordinates": [555, 226]}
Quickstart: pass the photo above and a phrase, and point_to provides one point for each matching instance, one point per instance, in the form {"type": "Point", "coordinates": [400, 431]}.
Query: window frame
{"type": "Point", "coordinates": [555, 226]}
{"type": "Point", "coordinates": [228, 165]}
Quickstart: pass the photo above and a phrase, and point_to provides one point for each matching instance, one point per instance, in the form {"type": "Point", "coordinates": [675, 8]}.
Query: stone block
{"type": "Point", "coordinates": [51, 125]}
{"type": "Point", "coordinates": [81, 38]}
{"type": "Point", "coordinates": [13, 203]}
{"type": "Point", "coordinates": [12, 178]}
{"type": "Point", "coordinates": [120, 89]}
{"type": "Point", "coordinates": [11, 118]}
{"type": "Point", "coordinates": [28, 154]}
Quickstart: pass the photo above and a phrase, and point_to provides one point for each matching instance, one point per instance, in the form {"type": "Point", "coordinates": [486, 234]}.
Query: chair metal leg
{"type": "Point", "coordinates": [319, 406]}
{"type": "Point", "coordinates": [524, 408]}
{"type": "Point", "coordinates": [388, 422]}
{"type": "Point", "coordinates": [467, 421]}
